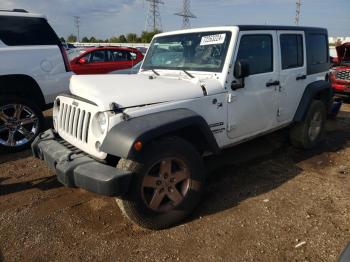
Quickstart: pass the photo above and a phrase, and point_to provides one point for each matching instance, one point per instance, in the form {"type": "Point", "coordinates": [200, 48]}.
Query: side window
{"type": "Point", "coordinates": [120, 55]}
{"type": "Point", "coordinates": [22, 31]}
{"type": "Point", "coordinates": [257, 51]}
{"type": "Point", "coordinates": [318, 52]}
{"type": "Point", "coordinates": [292, 54]}
{"type": "Point", "coordinates": [97, 56]}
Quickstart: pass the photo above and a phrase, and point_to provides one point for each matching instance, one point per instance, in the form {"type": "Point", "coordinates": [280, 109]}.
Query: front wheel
{"type": "Point", "coordinates": [167, 186]}
{"type": "Point", "coordinates": [20, 122]}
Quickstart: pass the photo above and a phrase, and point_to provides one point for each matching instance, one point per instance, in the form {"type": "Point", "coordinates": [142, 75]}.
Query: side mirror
{"type": "Point", "coordinates": [82, 61]}
{"type": "Point", "coordinates": [241, 69]}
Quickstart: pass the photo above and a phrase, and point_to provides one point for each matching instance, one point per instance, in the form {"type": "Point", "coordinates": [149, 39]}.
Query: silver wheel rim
{"type": "Point", "coordinates": [18, 125]}
{"type": "Point", "coordinates": [315, 126]}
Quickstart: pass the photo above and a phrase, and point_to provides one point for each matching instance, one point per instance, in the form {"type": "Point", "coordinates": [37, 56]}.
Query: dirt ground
{"type": "Point", "coordinates": [265, 201]}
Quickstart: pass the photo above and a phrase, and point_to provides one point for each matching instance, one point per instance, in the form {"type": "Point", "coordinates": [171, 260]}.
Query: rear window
{"type": "Point", "coordinates": [20, 31]}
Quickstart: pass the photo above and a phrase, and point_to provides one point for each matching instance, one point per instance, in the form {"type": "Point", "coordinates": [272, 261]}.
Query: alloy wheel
{"type": "Point", "coordinates": [18, 125]}
{"type": "Point", "coordinates": [166, 184]}
{"type": "Point", "coordinates": [315, 126]}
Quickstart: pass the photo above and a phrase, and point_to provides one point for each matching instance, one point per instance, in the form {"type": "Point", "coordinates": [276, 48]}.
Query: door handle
{"type": "Point", "coordinates": [273, 83]}
{"type": "Point", "coordinates": [302, 77]}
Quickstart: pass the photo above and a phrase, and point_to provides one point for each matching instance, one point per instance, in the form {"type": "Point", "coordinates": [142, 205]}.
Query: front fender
{"type": "Point", "coordinates": [121, 138]}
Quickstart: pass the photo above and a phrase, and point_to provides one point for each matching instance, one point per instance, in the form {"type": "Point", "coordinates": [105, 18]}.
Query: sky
{"type": "Point", "coordinates": [106, 18]}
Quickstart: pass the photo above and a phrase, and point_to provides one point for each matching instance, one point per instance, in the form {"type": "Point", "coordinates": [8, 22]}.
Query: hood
{"type": "Point", "coordinates": [343, 52]}
{"type": "Point", "coordinates": [139, 89]}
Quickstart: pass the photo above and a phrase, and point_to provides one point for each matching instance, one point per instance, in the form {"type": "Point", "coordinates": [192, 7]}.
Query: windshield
{"type": "Point", "coordinates": [204, 51]}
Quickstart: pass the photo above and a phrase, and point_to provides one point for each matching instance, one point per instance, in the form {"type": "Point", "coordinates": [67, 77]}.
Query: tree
{"type": "Point", "coordinates": [131, 38]}
{"type": "Point", "coordinates": [62, 39]}
{"type": "Point", "coordinates": [92, 40]}
{"type": "Point", "coordinates": [114, 39]}
{"type": "Point", "coordinates": [85, 40]}
{"type": "Point", "coordinates": [122, 39]}
{"type": "Point", "coordinates": [71, 38]}
{"type": "Point", "coordinates": [146, 37]}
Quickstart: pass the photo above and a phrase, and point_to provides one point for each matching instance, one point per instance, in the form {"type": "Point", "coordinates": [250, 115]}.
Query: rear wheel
{"type": "Point", "coordinates": [20, 122]}
{"type": "Point", "coordinates": [167, 186]}
{"type": "Point", "coordinates": [308, 133]}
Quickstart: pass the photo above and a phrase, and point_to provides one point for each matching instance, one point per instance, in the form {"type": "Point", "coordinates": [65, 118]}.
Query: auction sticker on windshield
{"type": "Point", "coordinates": [213, 39]}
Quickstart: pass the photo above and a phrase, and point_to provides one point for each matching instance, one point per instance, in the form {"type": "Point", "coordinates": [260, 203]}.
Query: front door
{"type": "Point", "coordinates": [253, 109]}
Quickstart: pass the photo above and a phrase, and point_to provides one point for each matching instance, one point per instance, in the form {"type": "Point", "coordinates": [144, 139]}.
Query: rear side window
{"type": "Point", "coordinates": [21, 31]}
{"type": "Point", "coordinates": [257, 51]}
{"type": "Point", "coordinates": [292, 53]}
{"type": "Point", "coordinates": [119, 55]}
{"type": "Point", "coordinates": [318, 49]}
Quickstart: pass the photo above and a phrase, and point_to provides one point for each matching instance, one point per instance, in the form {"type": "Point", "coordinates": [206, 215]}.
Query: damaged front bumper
{"type": "Point", "coordinates": [76, 169]}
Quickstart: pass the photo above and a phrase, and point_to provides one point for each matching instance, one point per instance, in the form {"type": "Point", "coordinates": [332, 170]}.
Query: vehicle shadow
{"type": "Point", "coordinates": [261, 165]}
{"type": "Point", "coordinates": [44, 183]}
{"type": "Point", "coordinates": [8, 157]}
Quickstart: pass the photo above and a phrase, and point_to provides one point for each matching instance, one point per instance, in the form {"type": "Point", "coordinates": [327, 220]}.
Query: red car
{"type": "Point", "coordinates": [340, 74]}
{"type": "Point", "coordinates": [102, 60]}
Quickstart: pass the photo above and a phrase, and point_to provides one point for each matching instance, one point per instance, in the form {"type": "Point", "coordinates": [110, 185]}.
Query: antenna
{"type": "Point", "coordinates": [77, 25]}
{"type": "Point", "coordinates": [297, 12]}
{"type": "Point", "coordinates": [153, 20]}
{"type": "Point", "coordinates": [186, 14]}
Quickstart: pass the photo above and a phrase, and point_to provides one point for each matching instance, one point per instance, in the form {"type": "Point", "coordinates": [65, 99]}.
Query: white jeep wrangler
{"type": "Point", "coordinates": [141, 137]}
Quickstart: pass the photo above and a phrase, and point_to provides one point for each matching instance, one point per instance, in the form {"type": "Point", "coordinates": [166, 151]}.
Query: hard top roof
{"type": "Point", "coordinates": [20, 12]}
{"type": "Point", "coordinates": [279, 27]}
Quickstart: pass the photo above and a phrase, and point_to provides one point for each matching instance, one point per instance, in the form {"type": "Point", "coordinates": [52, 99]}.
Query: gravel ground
{"type": "Point", "coordinates": [265, 201]}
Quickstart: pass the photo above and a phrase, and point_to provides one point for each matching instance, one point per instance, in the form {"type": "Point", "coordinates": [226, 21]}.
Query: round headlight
{"type": "Point", "coordinates": [102, 122]}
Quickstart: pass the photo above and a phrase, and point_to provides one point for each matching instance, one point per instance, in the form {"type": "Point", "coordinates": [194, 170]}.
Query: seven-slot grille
{"type": "Point", "coordinates": [74, 121]}
{"type": "Point", "coordinates": [343, 75]}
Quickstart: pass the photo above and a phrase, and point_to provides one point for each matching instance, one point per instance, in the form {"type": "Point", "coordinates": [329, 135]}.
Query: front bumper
{"type": "Point", "coordinates": [76, 169]}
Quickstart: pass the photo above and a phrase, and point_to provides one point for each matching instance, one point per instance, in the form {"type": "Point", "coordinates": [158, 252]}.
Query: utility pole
{"type": "Point", "coordinates": [77, 25]}
{"type": "Point", "coordinates": [153, 20]}
{"type": "Point", "coordinates": [186, 14]}
{"type": "Point", "coordinates": [297, 12]}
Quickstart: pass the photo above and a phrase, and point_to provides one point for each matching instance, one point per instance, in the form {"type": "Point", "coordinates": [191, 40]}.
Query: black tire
{"type": "Point", "coordinates": [25, 132]}
{"type": "Point", "coordinates": [135, 205]}
{"type": "Point", "coordinates": [301, 135]}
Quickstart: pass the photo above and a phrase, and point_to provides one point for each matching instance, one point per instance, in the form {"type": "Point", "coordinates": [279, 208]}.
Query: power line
{"type": "Point", "coordinates": [297, 12]}
{"type": "Point", "coordinates": [77, 25]}
{"type": "Point", "coordinates": [153, 21]}
{"type": "Point", "coordinates": [186, 14]}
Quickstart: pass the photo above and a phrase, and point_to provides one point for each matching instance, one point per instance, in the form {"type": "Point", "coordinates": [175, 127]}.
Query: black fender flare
{"type": "Point", "coordinates": [319, 89]}
{"type": "Point", "coordinates": [121, 138]}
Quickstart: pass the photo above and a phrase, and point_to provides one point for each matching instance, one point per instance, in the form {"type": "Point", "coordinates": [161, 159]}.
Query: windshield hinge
{"type": "Point", "coordinates": [205, 93]}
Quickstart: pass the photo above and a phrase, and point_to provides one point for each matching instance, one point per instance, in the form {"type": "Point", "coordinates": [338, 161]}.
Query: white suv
{"type": "Point", "coordinates": [34, 69]}
{"type": "Point", "coordinates": [141, 137]}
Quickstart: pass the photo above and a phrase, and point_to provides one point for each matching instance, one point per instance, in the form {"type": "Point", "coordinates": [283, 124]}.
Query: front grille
{"type": "Point", "coordinates": [343, 75]}
{"type": "Point", "coordinates": [74, 121]}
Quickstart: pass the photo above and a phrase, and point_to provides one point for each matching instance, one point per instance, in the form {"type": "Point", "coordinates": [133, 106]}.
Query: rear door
{"type": "Point", "coordinates": [119, 59]}
{"type": "Point", "coordinates": [293, 77]}
{"type": "Point", "coordinates": [252, 109]}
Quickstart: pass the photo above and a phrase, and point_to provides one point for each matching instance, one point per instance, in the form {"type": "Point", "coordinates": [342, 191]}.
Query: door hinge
{"type": "Point", "coordinates": [231, 98]}
{"type": "Point", "coordinates": [279, 112]}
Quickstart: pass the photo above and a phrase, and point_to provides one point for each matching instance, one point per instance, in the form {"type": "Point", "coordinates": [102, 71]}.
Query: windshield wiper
{"type": "Point", "coordinates": [154, 71]}
{"type": "Point", "coordinates": [187, 73]}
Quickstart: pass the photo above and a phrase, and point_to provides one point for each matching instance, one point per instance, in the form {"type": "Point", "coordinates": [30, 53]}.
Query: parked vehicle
{"type": "Point", "coordinates": [102, 60]}
{"type": "Point", "coordinates": [340, 74]}
{"type": "Point", "coordinates": [141, 137]}
{"type": "Point", "coordinates": [130, 71]}
{"type": "Point", "coordinates": [75, 52]}
{"type": "Point", "coordinates": [34, 69]}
